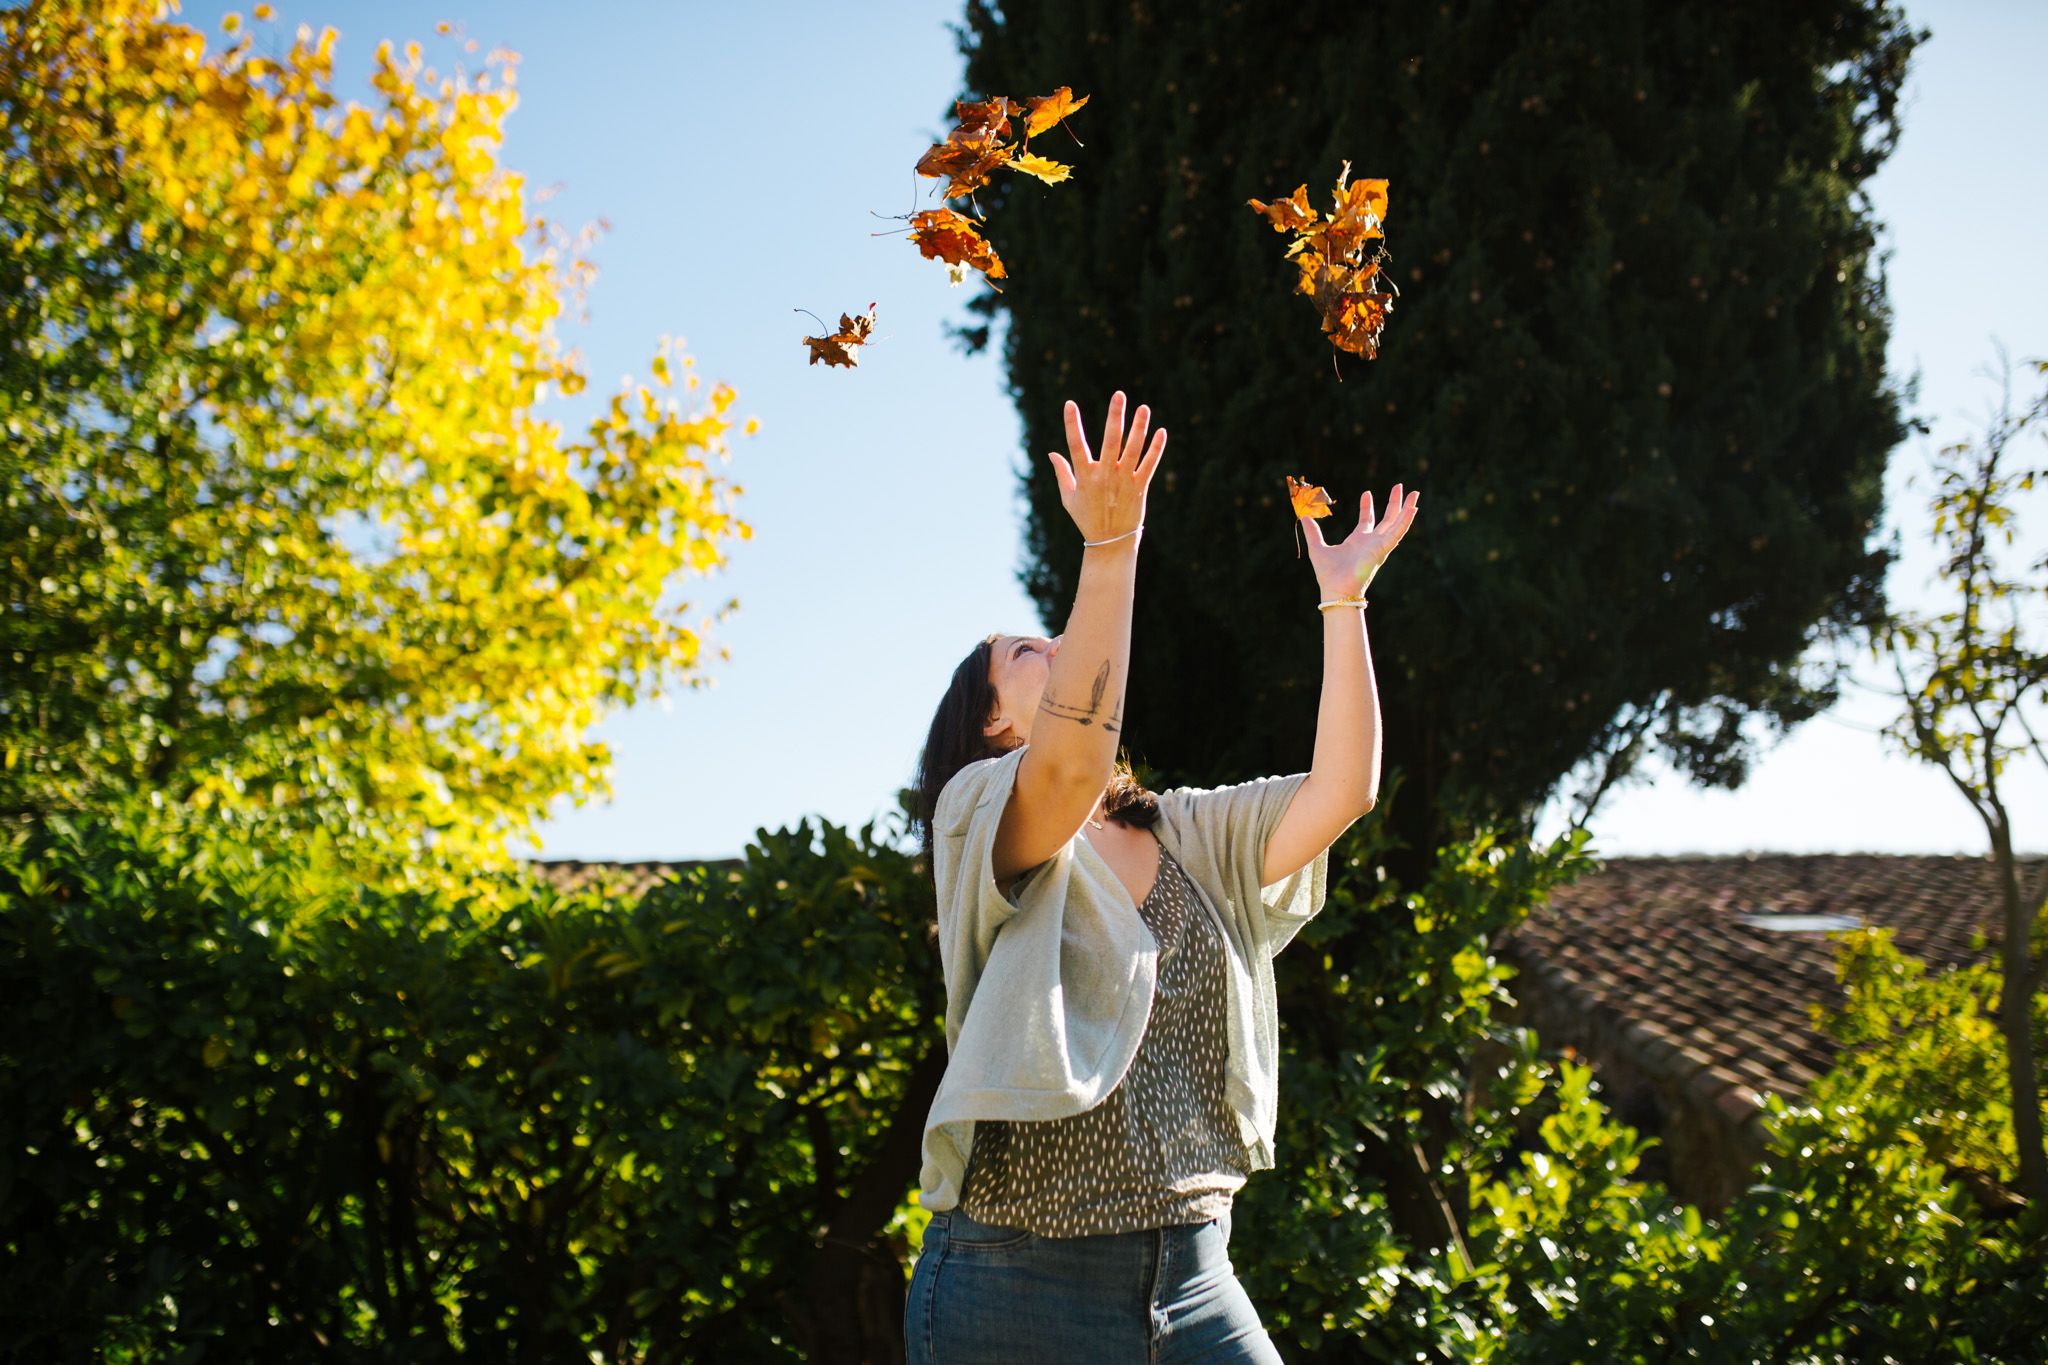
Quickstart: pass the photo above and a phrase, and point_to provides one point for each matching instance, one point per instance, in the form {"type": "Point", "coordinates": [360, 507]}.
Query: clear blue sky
{"type": "Point", "coordinates": [737, 151]}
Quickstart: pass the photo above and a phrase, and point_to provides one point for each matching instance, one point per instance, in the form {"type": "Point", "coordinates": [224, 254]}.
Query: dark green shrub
{"type": "Point", "coordinates": [254, 1113]}
{"type": "Point", "coordinates": [1881, 1231]}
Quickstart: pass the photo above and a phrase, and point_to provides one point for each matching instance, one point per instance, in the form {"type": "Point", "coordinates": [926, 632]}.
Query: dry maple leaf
{"type": "Point", "coordinates": [838, 347]}
{"type": "Point", "coordinates": [995, 112]}
{"type": "Point", "coordinates": [1353, 305]}
{"type": "Point", "coordinates": [966, 159]}
{"type": "Point", "coordinates": [1358, 322]}
{"type": "Point", "coordinates": [1308, 499]}
{"type": "Point", "coordinates": [1289, 214]}
{"type": "Point", "coordinates": [1338, 260]}
{"type": "Point", "coordinates": [1045, 168]}
{"type": "Point", "coordinates": [1361, 209]}
{"type": "Point", "coordinates": [973, 152]}
{"type": "Point", "coordinates": [1047, 110]}
{"type": "Point", "coordinates": [945, 235]}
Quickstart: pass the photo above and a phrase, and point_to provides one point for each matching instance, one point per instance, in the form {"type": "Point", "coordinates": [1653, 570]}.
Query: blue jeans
{"type": "Point", "coordinates": [987, 1295]}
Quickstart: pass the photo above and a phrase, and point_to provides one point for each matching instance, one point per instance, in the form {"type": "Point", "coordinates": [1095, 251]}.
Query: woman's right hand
{"type": "Point", "coordinates": [1105, 495]}
{"type": "Point", "coordinates": [1072, 726]}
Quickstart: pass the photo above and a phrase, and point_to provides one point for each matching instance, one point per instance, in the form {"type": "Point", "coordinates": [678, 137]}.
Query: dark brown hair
{"type": "Point", "coordinates": [956, 740]}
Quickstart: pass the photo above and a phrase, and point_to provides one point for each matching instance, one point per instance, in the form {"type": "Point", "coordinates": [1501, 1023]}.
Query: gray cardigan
{"type": "Point", "coordinates": [1048, 989]}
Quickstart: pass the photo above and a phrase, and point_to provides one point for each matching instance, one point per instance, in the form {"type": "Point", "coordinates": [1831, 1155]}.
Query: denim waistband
{"type": "Point", "coordinates": [989, 1295]}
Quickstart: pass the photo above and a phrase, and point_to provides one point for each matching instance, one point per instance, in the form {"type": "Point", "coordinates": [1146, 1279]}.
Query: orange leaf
{"type": "Point", "coordinates": [838, 348]}
{"type": "Point", "coordinates": [1047, 110]}
{"type": "Point", "coordinates": [1357, 322]}
{"type": "Point", "coordinates": [993, 113]}
{"type": "Point", "coordinates": [944, 235]}
{"type": "Point", "coordinates": [966, 160]}
{"type": "Point", "coordinates": [1361, 211]}
{"type": "Point", "coordinates": [1308, 499]}
{"type": "Point", "coordinates": [1337, 262]}
{"type": "Point", "coordinates": [1292, 213]}
{"type": "Point", "coordinates": [1045, 168]}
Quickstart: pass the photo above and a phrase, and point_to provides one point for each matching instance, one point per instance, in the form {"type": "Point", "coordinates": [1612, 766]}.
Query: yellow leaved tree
{"type": "Point", "coordinates": [284, 528]}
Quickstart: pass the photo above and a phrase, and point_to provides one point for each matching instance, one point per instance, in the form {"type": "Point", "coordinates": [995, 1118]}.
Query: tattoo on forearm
{"type": "Point", "coordinates": [1091, 714]}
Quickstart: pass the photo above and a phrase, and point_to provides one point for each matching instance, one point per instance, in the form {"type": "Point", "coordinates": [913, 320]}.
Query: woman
{"type": "Point", "coordinates": [1110, 1024]}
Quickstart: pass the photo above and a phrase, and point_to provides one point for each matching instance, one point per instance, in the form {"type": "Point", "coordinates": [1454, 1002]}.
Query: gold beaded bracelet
{"type": "Point", "coordinates": [1341, 602]}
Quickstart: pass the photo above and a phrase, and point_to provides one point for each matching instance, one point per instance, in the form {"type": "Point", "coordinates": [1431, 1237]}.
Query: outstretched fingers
{"type": "Point", "coordinates": [1402, 511]}
{"type": "Point", "coordinates": [1133, 442]}
{"type": "Point", "coordinates": [1113, 429]}
{"type": "Point", "coordinates": [1400, 516]}
{"type": "Point", "coordinates": [1077, 438]}
{"type": "Point", "coordinates": [1150, 461]}
{"type": "Point", "coordinates": [1063, 474]}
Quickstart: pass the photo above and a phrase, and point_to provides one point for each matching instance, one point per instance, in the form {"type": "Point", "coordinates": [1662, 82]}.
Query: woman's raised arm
{"type": "Point", "coordinates": [1344, 778]}
{"type": "Point", "coordinates": [1074, 732]}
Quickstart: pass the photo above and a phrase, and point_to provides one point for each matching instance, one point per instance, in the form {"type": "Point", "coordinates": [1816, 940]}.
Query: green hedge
{"type": "Point", "coordinates": [256, 1114]}
{"type": "Point", "coordinates": [1884, 1228]}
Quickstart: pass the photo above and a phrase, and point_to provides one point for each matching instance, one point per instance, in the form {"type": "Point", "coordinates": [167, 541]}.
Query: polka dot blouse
{"type": "Point", "coordinates": [1164, 1147]}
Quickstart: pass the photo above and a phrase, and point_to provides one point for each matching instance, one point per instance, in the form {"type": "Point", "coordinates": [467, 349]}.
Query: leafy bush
{"type": "Point", "coordinates": [1871, 1236]}
{"type": "Point", "coordinates": [255, 1113]}
{"type": "Point", "coordinates": [1883, 1228]}
{"type": "Point", "coordinates": [1386, 999]}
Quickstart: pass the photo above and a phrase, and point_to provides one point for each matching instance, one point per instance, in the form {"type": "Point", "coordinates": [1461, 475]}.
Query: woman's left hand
{"type": "Point", "coordinates": [1346, 568]}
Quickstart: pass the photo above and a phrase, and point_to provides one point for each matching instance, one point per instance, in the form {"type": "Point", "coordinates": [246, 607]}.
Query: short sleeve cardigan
{"type": "Point", "coordinates": [1048, 988]}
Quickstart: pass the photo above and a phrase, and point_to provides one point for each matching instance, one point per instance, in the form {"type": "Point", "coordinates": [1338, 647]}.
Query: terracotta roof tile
{"type": "Point", "coordinates": [1673, 942]}
{"type": "Point", "coordinates": [631, 879]}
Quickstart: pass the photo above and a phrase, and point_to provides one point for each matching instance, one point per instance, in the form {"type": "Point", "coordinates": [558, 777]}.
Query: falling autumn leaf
{"type": "Point", "coordinates": [994, 113]}
{"type": "Point", "coordinates": [1339, 259]}
{"type": "Point", "coordinates": [945, 235]}
{"type": "Point", "coordinates": [1291, 214]}
{"type": "Point", "coordinates": [1045, 168]}
{"type": "Point", "coordinates": [1047, 110]}
{"type": "Point", "coordinates": [1308, 499]}
{"type": "Point", "coordinates": [1361, 208]}
{"type": "Point", "coordinates": [965, 160]}
{"type": "Point", "coordinates": [838, 347]}
{"type": "Point", "coordinates": [972, 152]}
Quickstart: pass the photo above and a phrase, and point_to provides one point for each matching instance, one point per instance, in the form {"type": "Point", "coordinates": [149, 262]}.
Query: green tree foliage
{"type": "Point", "coordinates": [258, 1110]}
{"type": "Point", "coordinates": [1879, 1231]}
{"type": "Point", "coordinates": [1930, 1046]}
{"type": "Point", "coordinates": [1636, 366]}
{"type": "Point", "coordinates": [255, 1113]}
{"type": "Point", "coordinates": [1382, 1132]}
{"type": "Point", "coordinates": [1973, 681]}
{"type": "Point", "coordinates": [283, 523]}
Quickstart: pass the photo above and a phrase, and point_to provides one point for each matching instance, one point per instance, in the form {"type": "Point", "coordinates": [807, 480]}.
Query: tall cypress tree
{"type": "Point", "coordinates": [1637, 364]}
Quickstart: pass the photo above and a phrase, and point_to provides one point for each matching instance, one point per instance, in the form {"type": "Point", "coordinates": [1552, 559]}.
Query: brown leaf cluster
{"type": "Point", "coordinates": [1340, 259]}
{"type": "Point", "coordinates": [839, 347]}
{"type": "Point", "coordinates": [975, 150]}
{"type": "Point", "coordinates": [944, 235]}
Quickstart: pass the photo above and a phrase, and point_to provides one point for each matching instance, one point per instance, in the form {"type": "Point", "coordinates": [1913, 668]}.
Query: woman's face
{"type": "Point", "coordinates": [1018, 666]}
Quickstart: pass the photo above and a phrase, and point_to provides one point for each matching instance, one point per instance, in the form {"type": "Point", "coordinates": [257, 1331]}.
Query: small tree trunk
{"type": "Point", "coordinates": [855, 1288]}
{"type": "Point", "coordinates": [2015, 1021]}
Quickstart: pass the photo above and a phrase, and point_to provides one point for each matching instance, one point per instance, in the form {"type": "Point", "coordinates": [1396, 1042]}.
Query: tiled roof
{"type": "Point", "coordinates": [631, 879]}
{"type": "Point", "coordinates": [1681, 943]}
{"type": "Point", "coordinates": [1665, 971]}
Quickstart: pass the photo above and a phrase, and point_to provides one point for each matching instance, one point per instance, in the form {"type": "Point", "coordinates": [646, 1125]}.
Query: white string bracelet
{"type": "Point", "coordinates": [1091, 544]}
{"type": "Point", "coordinates": [1341, 602]}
